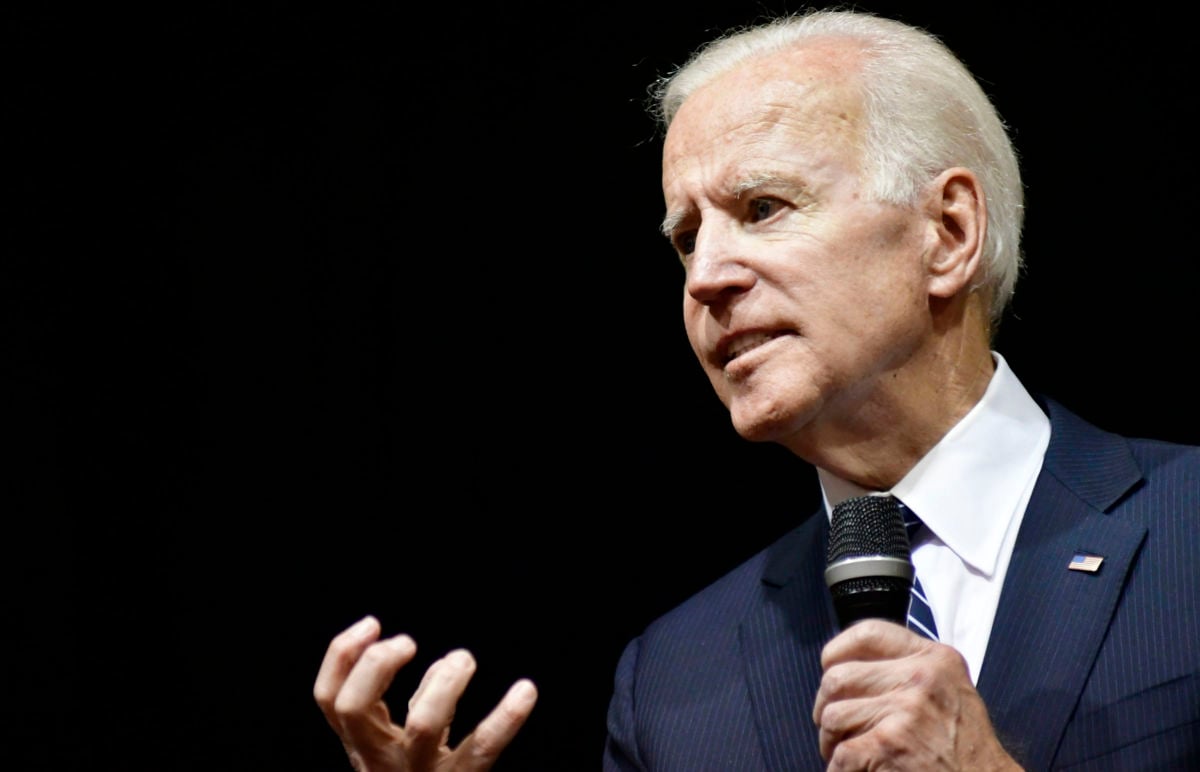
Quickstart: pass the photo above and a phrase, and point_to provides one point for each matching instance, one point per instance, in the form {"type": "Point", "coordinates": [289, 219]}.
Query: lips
{"type": "Point", "coordinates": [738, 344]}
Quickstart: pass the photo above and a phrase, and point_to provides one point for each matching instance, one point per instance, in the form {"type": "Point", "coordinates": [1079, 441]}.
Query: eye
{"type": "Point", "coordinates": [763, 208]}
{"type": "Point", "coordinates": [685, 242]}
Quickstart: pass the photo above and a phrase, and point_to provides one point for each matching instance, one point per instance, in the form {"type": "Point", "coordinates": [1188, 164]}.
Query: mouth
{"type": "Point", "coordinates": [738, 345]}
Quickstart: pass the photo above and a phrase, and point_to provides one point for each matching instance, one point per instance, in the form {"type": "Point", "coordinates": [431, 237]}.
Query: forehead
{"type": "Point", "coordinates": [768, 110]}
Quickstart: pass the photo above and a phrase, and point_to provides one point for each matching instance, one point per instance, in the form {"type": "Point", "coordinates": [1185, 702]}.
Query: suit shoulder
{"type": "Point", "coordinates": [1106, 469]}
{"type": "Point", "coordinates": [1155, 454]}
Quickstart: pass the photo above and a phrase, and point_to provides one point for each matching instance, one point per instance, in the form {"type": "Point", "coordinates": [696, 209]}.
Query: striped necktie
{"type": "Point", "coordinates": [920, 615]}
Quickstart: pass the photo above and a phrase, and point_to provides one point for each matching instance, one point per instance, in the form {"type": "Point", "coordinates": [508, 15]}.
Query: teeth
{"type": "Point", "coordinates": [747, 342]}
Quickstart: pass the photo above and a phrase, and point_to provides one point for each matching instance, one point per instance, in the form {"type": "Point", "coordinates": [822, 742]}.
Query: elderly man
{"type": "Point", "coordinates": [847, 208]}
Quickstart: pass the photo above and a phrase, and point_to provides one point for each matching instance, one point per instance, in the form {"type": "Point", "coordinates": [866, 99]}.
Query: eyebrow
{"type": "Point", "coordinates": [753, 182]}
{"type": "Point", "coordinates": [671, 222]}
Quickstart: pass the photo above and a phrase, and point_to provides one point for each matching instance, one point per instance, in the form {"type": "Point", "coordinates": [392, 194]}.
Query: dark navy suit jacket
{"type": "Point", "coordinates": [1082, 671]}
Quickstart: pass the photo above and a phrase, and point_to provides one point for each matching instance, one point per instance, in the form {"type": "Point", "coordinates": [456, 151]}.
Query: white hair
{"type": "Point", "coordinates": [925, 113]}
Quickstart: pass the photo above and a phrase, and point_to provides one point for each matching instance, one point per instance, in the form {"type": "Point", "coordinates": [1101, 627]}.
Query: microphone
{"type": "Point", "coordinates": [869, 568]}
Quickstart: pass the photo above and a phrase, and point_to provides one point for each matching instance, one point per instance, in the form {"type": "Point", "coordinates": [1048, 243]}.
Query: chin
{"type": "Point", "coordinates": [763, 423]}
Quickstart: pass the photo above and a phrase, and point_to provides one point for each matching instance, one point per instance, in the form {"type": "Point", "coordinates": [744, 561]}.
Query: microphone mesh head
{"type": "Point", "coordinates": [867, 526]}
{"type": "Point", "coordinates": [868, 532]}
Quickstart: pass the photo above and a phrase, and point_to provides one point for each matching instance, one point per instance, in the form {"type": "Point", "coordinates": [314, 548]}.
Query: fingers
{"type": "Point", "coordinates": [432, 706]}
{"type": "Point", "coordinates": [357, 671]}
{"type": "Point", "coordinates": [888, 723]}
{"type": "Point", "coordinates": [840, 720]}
{"type": "Point", "coordinates": [872, 639]}
{"type": "Point", "coordinates": [861, 661]}
{"type": "Point", "coordinates": [359, 708]}
{"type": "Point", "coordinates": [889, 693]}
{"type": "Point", "coordinates": [851, 681]}
{"type": "Point", "coordinates": [355, 674]}
{"type": "Point", "coordinates": [343, 651]}
{"type": "Point", "coordinates": [496, 731]}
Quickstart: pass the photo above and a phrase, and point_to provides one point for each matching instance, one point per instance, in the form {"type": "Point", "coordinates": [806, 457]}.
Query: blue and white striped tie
{"type": "Point", "coordinates": [920, 615]}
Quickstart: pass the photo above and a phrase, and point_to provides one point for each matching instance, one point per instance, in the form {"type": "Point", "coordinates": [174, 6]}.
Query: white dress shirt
{"type": "Point", "coordinates": [970, 490]}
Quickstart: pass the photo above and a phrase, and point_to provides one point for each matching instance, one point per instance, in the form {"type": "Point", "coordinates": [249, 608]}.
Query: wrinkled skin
{"type": "Point", "coordinates": [849, 331]}
{"type": "Point", "coordinates": [893, 700]}
{"type": "Point", "coordinates": [840, 327]}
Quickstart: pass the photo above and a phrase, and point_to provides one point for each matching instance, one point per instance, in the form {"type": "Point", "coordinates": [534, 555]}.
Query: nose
{"type": "Point", "coordinates": [718, 269]}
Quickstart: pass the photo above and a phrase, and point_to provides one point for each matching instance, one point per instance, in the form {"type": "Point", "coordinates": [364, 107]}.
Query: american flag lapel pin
{"type": "Point", "coordinates": [1082, 561]}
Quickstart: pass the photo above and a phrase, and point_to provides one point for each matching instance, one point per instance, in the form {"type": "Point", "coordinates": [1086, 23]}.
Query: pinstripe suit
{"type": "Point", "coordinates": [1082, 671]}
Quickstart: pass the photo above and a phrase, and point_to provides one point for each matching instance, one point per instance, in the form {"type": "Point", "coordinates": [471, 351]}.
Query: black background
{"type": "Point", "coordinates": [308, 314]}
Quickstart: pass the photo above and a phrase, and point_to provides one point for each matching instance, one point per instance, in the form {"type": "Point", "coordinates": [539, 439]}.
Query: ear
{"type": "Point", "coordinates": [958, 217]}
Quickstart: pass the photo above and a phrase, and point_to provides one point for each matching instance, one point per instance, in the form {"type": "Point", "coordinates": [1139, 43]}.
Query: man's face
{"type": "Point", "coordinates": [802, 297]}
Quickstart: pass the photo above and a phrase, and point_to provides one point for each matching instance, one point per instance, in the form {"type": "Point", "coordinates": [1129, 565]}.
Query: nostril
{"type": "Point", "coordinates": [709, 282]}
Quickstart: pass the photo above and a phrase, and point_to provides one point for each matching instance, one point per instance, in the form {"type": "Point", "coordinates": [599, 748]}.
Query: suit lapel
{"type": "Point", "coordinates": [781, 643]}
{"type": "Point", "coordinates": [1051, 620]}
{"type": "Point", "coordinates": [1048, 627]}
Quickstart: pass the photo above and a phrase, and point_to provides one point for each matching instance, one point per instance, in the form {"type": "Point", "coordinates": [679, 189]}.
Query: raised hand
{"type": "Point", "coordinates": [357, 670]}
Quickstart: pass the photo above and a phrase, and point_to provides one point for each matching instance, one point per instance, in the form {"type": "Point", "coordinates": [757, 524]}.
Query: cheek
{"type": "Point", "coordinates": [876, 280]}
{"type": "Point", "coordinates": [692, 321]}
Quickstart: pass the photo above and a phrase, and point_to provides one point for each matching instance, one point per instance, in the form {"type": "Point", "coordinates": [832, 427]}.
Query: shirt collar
{"type": "Point", "coordinates": [969, 486]}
